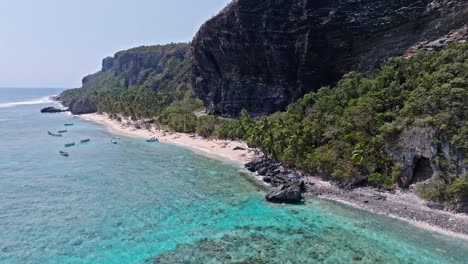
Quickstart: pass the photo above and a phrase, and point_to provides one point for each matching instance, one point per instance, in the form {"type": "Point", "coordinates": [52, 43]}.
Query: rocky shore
{"type": "Point", "coordinates": [289, 186]}
{"type": "Point", "coordinates": [402, 204]}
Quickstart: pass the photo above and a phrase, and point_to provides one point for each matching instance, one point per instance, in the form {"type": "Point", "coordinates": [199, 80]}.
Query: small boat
{"type": "Point", "coordinates": [85, 140]}
{"type": "Point", "coordinates": [153, 139]}
{"type": "Point", "coordinates": [53, 134]}
{"type": "Point", "coordinates": [113, 141]}
{"type": "Point", "coordinates": [64, 153]}
{"type": "Point", "coordinates": [62, 131]}
{"type": "Point", "coordinates": [70, 144]}
{"type": "Point", "coordinates": [68, 124]}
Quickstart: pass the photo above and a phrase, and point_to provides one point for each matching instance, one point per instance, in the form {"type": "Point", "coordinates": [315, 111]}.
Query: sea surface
{"type": "Point", "coordinates": [137, 202]}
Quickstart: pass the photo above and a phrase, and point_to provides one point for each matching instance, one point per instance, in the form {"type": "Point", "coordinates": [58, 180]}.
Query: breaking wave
{"type": "Point", "coordinates": [42, 100]}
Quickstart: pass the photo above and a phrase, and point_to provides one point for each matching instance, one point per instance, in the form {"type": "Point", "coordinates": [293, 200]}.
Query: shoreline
{"type": "Point", "coordinates": [235, 152]}
{"type": "Point", "coordinates": [402, 205]}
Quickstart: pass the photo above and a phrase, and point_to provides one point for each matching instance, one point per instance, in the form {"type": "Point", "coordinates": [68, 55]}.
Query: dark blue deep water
{"type": "Point", "coordinates": [136, 202]}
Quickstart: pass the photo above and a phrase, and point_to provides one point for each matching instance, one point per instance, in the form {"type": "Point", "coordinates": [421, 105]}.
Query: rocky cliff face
{"type": "Point", "coordinates": [138, 65]}
{"type": "Point", "coordinates": [425, 155]}
{"type": "Point", "coordinates": [160, 67]}
{"type": "Point", "coordinates": [82, 106]}
{"type": "Point", "coordinates": [264, 54]}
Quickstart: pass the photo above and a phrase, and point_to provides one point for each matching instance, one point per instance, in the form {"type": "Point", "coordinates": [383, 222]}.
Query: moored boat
{"type": "Point", "coordinates": [70, 144]}
{"type": "Point", "coordinates": [53, 134]}
{"type": "Point", "coordinates": [85, 140]}
{"type": "Point", "coordinates": [153, 139]}
{"type": "Point", "coordinates": [62, 131]}
{"type": "Point", "coordinates": [68, 124]}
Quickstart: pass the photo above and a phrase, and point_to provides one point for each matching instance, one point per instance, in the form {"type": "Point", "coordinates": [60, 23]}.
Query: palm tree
{"type": "Point", "coordinates": [359, 155]}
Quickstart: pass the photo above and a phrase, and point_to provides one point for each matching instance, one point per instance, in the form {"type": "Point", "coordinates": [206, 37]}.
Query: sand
{"type": "Point", "coordinates": [402, 205]}
{"type": "Point", "coordinates": [218, 149]}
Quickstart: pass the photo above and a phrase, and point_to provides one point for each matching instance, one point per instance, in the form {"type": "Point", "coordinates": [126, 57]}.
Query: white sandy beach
{"type": "Point", "coordinates": [218, 149]}
{"type": "Point", "coordinates": [224, 150]}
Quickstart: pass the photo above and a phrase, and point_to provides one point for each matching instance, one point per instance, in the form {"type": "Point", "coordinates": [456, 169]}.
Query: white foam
{"type": "Point", "coordinates": [43, 100]}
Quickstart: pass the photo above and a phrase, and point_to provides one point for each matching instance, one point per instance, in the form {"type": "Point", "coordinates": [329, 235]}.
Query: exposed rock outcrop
{"type": "Point", "coordinates": [459, 35]}
{"type": "Point", "coordinates": [82, 106]}
{"type": "Point", "coordinates": [138, 65]}
{"type": "Point", "coordinates": [264, 54]}
{"type": "Point", "coordinates": [291, 194]}
{"type": "Point", "coordinates": [273, 172]}
{"type": "Point", "coordinates": [423, 155]}
{"type": "Point", "coordinates": [160, 67]}
{"type": "Point", "coordinates": [291, 184]}
{"type": "Point", "coordinates": [52, 109]}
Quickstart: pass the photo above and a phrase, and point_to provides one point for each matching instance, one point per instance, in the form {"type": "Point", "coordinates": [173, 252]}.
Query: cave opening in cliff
{"type": "Point", "coordinates": [422, 170]}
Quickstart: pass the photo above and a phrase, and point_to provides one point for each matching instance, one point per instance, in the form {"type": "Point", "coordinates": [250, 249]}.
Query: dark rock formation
{"type": "Point", "coordinates": [291, 194]}
{"type": "Point", "coordinates": [264, 54]}
{"type": "Point", "coordinates": [290, 182]}
{"type": "Point", "coordinates": [107, 63]}
{"type": "Point", "coordinates": [82, 106]}
{"type": "Point", "coordinates": [52, 109]}
{"type": "Point", "coordinates": [274, 172]}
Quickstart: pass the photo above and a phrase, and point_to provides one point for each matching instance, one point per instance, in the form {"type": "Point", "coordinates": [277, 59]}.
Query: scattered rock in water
{"type": "Point", "coordinates": [52, 109]}
{"type": "Point", "coordinates": [357, 258]}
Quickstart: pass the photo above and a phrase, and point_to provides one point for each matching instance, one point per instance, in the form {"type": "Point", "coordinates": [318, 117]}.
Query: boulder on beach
{"type": "Point", "coordinates": [290, 194]}
{"type": "Point", "coordinates": [52, 109]}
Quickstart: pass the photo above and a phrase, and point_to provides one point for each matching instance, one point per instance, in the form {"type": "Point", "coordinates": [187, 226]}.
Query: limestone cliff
{"type": "Point", "coordinates": [264, 54]}
{"type": "Point", "coordinates": [160, 67]}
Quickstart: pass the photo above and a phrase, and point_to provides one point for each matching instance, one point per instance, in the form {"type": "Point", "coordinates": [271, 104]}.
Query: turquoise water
{"type": "Point", "coordinates": [137, 202]}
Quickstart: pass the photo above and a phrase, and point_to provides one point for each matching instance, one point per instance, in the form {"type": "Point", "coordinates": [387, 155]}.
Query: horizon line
{"type": "Point", "coordinates": [35, 87]}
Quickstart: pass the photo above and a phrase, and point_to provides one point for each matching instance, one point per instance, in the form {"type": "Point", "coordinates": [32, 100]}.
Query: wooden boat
{"type": "Point", "coordinates": [68, 124]}
{"type": "Point", "coordinates": [85, 140]}
{"type": "Point", "coordinates": [53, 134]}
{"type": "Point", "coordinates": [70, 144]}
{"type": "Point", "coordinates": [64, 153]}
{"type": "Point", "coordinates": [153, 139]}
{"type": "Point", "coordinates": [62, 131]}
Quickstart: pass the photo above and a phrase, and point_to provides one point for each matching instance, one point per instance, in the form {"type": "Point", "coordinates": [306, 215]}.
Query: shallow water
{"type": "Point", "coordinates": [135, 202]}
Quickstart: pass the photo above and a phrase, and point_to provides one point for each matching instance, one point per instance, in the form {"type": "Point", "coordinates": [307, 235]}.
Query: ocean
{"type": "Point", "coordinates": [136, 202]}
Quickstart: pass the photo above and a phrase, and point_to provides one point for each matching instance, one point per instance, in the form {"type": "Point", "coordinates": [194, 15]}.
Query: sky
{"type": "Point", "coordinates": [54, 43]}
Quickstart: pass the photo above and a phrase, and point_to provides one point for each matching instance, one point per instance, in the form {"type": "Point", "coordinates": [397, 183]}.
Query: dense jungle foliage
{"type": "Point", "coordinates": [340, 133]}
{"type": "Point", "coordinates": [156, 89]}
